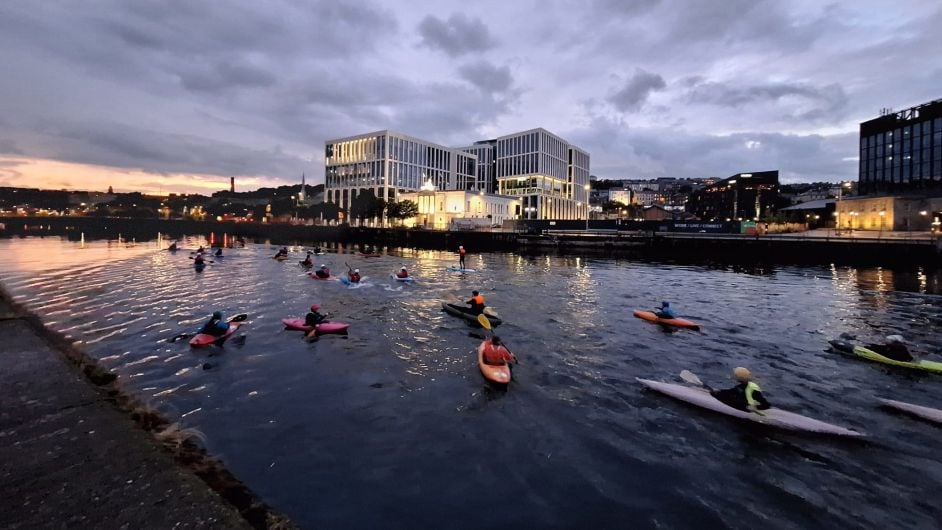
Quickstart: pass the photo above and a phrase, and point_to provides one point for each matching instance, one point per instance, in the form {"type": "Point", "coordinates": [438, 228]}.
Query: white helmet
{"type": "Point", "coordinates": [402, 268]}
{"type": "Point", "coordinates": [356, 270]}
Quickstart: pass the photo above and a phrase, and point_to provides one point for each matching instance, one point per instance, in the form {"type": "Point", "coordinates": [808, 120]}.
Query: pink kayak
{"type": "Point", "coordinates": [322, 329]}
{"type": "Point", "coordinates": [202, 339]}
{"type": "Point", "coordinates": [316, 277]}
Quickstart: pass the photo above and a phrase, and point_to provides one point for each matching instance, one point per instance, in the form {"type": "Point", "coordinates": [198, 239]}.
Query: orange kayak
{"type": "Point", "coordinates": [679, 322]}
{"type": "Point", "coordinates": [496, 373]}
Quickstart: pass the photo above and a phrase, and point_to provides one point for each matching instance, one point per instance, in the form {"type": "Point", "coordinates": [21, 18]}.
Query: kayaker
{"type": "Point", "coordinates": [461, 253]}
{"type": "Point", "coordinates": [173, 246]}
{"type": "Point", "coordinates": [745, 396]}
{"type": "Point", "coordinates": [216, 326]}
{"type": "Point", "coordinates": [219, 252]}
{"type": "Point", "coordinates": [322, 272]}
{"type": "Point", "coordinates": [198, 260]}
{"type": "Point", "coordinates": [403, 273]}
{"type": "Point", "coordinates": [200, 250]}
{"type": "Point", "coordinates": [666, 311]}
{"type": "Point", "coordinates": [476, 302]}
{"type": "Point", "coordinates": [495, 353]}
{"type": "Point", "coordinates": [307, 261]}
{"type": "Point", "coordinates": [314, 318]}
{"type": "Point", "coordinates": [317, 250]}
{"type": "Point", "coordinates": [354, 276]}
{"type": "Point", "coordinates": [895, 348]}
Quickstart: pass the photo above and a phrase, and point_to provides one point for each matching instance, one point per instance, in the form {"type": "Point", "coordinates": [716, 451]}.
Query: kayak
{"type": "Point", "coordinates": [465, 313]}
{"type": "Point", "coordinates": [305, 265]}
{"type": "Point", "coordinates": [846, 347]}
{"type": "Point", "coordinates": [199, 266]}
{"type": "Point", "coordinates": [348, 283]}
{"type": "Point", "coordinates": [459, 269]}
{"type": "Point", "coordinates": [493, 372]}
{"type": "Point", "coordinates": [203, 339]}
{"type": "Point", "coordinates": [678, 322]}
{"type": "Point", "coordinates": [926, 413]}
{"type": "Point", "coordinates": [280, 257]}
{"type": "Point", "coordinates": [772, 417]}
{"type": "Point", "coordinates": [316, 277]}
{"type": "Point", "coordinates": [365, 255]}
{"type": "Point", "coordinates": [398, 279]}
{"type": "Point", "coordinates": [325, 328]}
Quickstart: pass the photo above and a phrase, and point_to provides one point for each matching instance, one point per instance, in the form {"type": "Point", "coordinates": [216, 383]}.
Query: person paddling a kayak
{"type": "Point", "coordinates": [354, 276]}
{"type": "Point", "coordinates": [746, 396]}
{"type": "Point", "coordinates": [666, 311]}
{"type": "Point", "coordinates": [322, 272]}
{"type": "Point", "coordinates": [314, 318]}
{"type": "Point", "coordinates": [895, 348]}
{"type": "Point", "coordinates": [403, 273]}
{"type": "Point", "coordinates": [495, 353]}
{"type": "Point", "coordinates": [218, 252]}
{"type": "Point", "coordinates": [199, 260]}
{"type": "Point", "coordinates": [476, 302]}
{"type": "Point", "coordinates": [173, 246]}
{"type": "Point", "coordinates": [307, 261]}
{"type": "Point", "coordinates": [216, 326]}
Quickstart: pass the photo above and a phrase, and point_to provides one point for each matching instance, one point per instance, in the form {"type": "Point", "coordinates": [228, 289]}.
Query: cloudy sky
{"type": "Point", "coordinates": [179, 95]}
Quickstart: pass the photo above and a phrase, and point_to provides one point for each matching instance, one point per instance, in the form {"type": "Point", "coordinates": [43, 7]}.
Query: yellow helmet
{"type": "Point", "coordinates": [742, 374]}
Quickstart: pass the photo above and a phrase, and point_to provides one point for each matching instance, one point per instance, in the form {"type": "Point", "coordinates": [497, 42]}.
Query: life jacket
{"type": "Point", "coordinates": [478, 300]}
{"type": "Point", "coordinates": [461, 251]}
{"type": "Point", "coordinates": [750, 389]}
{"type": "Point", "coordinates": [354, 277]}
{"type": "Point", "coordinates": [402, 274]}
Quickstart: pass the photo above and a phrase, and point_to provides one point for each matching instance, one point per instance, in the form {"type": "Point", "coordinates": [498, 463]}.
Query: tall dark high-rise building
{"type": "Point", "coordinates": [901, 152]}
{"type": "Point", "coordinates": [747, 196]}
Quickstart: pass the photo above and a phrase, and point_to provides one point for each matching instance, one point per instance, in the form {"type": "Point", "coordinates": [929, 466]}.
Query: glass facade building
{"type": "Point", "coordinates": [388, 163]}
{"type": "Point", "coordinates": [901, 152]}
{"type": "Point", "coordinates": [744, 196]}
{"type": "Point", "coordinates": [486, 152]}
{"type": "Point", "coordinates": [547, 173]}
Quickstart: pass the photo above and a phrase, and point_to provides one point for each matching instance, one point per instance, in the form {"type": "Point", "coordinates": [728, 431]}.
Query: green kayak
{"type": "Point", "coordinates": [870, 355]}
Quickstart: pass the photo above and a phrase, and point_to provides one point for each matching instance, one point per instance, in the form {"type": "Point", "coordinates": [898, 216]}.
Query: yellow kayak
{"type": "Point", "coordinates": [870, 355]}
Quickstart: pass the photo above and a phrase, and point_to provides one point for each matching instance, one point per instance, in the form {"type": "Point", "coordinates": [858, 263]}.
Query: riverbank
{"type": "Point", "coordinates": [78, 451]}
{"type": "Point", "coordinates": [813, 247]}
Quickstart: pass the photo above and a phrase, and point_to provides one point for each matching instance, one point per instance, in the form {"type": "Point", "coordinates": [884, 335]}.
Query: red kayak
{"type": "Point", "coordinates": [322, 329]}
{"type": "Point", "coordinates": [678, 322]}
{"type": "Point", "coordinates": [316, 277]}
{"type": "Point", "coordinates": [202, 339]}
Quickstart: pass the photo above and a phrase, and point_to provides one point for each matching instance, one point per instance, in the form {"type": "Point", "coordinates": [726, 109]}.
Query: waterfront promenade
{"type": "Point", "coordinates": [70, 458]}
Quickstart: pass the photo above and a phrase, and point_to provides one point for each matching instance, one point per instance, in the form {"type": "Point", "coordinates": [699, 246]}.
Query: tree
{"type": "Point", "coordinates": [402, 210]}
{"type": "Point", "coordinates": [367, 206]}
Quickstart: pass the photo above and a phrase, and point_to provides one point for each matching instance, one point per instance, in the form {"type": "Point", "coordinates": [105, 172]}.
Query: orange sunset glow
{"type": "Point", "coordinates": [55, 174]}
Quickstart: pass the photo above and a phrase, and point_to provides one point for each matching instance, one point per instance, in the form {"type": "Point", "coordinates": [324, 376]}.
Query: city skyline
{"type": "Point", "coordinates": [179, 97]}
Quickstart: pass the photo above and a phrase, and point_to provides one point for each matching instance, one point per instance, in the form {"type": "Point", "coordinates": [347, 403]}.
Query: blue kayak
{"type": "Point", "coordinates": [398, 279]}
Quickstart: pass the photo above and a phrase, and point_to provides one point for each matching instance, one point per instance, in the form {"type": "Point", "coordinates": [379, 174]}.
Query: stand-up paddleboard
{"type": "Point", "coordinates": [398, 279]}
{"type": "Point", "coordinates": [322, 329]}
{"type": "Point", "coordinates": [497, 373]}
{"type": "Point", "coordinates": [772, 417]}
{"type": "Point", "coordinates": [651, 316]}
{"type": "Point", "coordinates": [844, 346]}
{"type": "Point", "coordinates": [926, 413]}
{"type": "Point", "coordinates": [459, 269]}
{"type": "Point", "coordinates": [203, 339]}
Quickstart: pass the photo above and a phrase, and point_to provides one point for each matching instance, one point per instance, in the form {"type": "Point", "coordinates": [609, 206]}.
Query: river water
{"type": "Point", "coordinates": [394, 427]}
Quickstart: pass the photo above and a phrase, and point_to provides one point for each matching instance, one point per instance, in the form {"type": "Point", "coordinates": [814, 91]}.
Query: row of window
{"type": "Point", "coordinates": [358, 150]}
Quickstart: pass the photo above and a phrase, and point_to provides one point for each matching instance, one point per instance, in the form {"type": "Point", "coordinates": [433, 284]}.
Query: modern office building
{"type": "Point", "coordinates": [389, 163]}
{"type": "Point", "coordinates": [549, 175]}
{"type": "Point", "coordinates": [747, 196]}
{"type": "Point", "coordinates": [901, 152]}
{"type": "Point", "coordinates": [486, 153]}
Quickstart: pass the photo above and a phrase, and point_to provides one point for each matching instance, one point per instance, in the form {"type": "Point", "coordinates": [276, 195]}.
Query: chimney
{"type": "Point", "coordinates": [232, 184]}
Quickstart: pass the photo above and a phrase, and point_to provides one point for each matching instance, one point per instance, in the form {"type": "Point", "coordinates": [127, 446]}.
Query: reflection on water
{"type": "Point", "coordinates": [393, 426]}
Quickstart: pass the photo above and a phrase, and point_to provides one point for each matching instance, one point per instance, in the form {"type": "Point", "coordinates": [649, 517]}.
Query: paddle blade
{"type": "Point", "coordinates": [241, 317]}
{"type": "Point", "coordinates": [490, 312]}
{"type": "Point", "coordinates": [688, 376]}
{"type": "Point", "coordinates": [485, 323]}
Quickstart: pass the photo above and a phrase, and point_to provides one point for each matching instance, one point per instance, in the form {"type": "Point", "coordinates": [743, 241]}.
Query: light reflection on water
{"type": "Point", "coordinates": [393, 427]}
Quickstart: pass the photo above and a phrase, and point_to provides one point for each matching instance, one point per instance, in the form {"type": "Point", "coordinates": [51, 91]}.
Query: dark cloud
{"type": "Point", "coordinates": [456, 36]}
{"type": "Point", "coordinates": [8, 147]}
{"type": "Point", "coordinates": [808, 101]}
{"type": "Point", "coordinates": [635, 91]}
{"type": "Point", "coordinates": [487, 76]}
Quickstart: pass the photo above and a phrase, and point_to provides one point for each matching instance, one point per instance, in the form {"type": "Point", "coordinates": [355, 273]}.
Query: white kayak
{"type": "Point", "coordinates": [925, 413]}
{"type": "Point", "coordinates": [772, 417]}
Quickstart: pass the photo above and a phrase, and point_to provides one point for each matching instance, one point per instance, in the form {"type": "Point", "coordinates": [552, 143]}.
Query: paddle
{"type": "Point", "coordinates": [490, 312]}
{"type": "Point", "coordinates": [486, 324]}
{"type": "Point", "coordinates": [241, 317]}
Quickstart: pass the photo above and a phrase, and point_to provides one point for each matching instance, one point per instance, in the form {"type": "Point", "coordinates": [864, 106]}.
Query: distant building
{"type": "Point", "coordinates": [623, 196]}
{"type": "Point", "coordinates": [648, 197]}
{"type": "Point", "coordinates": [889, 213]}
{"type": "Point", "coordinates": [461, 209]}
{"type": "Point", "coordinates": [901, 152]}
{"type": "Point", "coordinates": [741, 196]}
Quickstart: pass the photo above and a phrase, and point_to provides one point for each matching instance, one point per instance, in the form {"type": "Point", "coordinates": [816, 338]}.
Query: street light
{"type": "Point", "coordinates": [587, 189]}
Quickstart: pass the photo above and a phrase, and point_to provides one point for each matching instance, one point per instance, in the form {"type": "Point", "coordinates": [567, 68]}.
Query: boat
{"type": "Point", "coordinates": [280, 257]}
{"type": "Point", "coordinates": [772, 417]}
{"type": "Point", "coordinates": [844, 346]}
{"type": "Point", "coordinates": [324, 328]}
{"type": "Point", "coordinates": [314, 276]}
{"type": "Point", "coordinates": [199, 267]}
{"type": "Point", "coordinates": [651, 316]}
{"type": "Point", "coordinates": [467, 314]}
{"type": "Point", "coordinates": [398, 279]}
{"type": "Point", "coordinates": [204, 339]}
{"type": "Point", "coordinates": [496, 373]}
{"type": "Point", "coordinates": [349, 283]}
{"type": "Point", "coordinates": [926, 413]}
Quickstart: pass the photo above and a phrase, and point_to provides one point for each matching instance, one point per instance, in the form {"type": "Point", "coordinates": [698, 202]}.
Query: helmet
{"type": "Point", "coordinates": [217, 314]}
{"type": "Point", "coordinates": [323, 266]}
{"type": "Point", "coordinates": [402, 268]}
{"type": "Point", "coordinates": [665, 304]}
{"type": "Point", "coordinates": [742, 374]}
{"type": "Point", "coordinates": [895, 338]}
{"type": "Point", "coordinates": [315, 307]}
{"type": "Point", "coordinates": [356, 270]}
{"type": "Point", "coordinates": [475, 293]}
{"type": "Point", "coordinates": [460, 246]}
